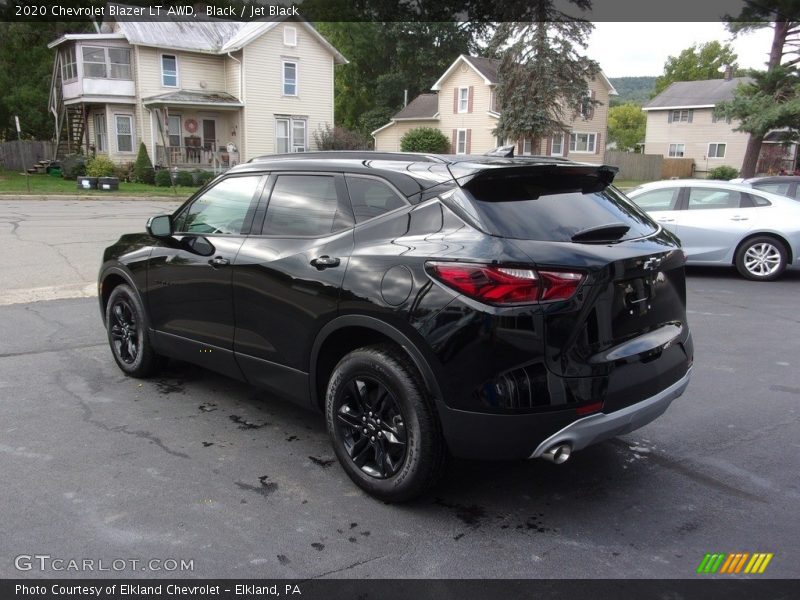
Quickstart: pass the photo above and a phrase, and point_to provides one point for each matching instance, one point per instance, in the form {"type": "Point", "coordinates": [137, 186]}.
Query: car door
{"type": "Point", "coordinates": [288, 276]}
{"type": "Point", "coordinates": [714, 222]}
{"type": "Point", "coordinates": [662, 204]}
{"type": "Point", "coordinates": [190, 275]}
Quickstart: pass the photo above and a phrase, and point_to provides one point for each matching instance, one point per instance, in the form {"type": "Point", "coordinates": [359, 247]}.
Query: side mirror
{"type": "Point", "coordinates": [160, 226]}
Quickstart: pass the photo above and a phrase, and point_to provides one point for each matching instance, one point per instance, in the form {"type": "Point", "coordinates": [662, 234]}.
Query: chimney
{"type": "Point", "coordinates": [728, 72]}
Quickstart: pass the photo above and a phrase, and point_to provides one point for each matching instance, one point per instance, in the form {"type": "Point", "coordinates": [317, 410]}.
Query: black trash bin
{"type": "Point", "coordinates": [87, 183]}
{"type": "Point", "coordinates": [108, 183]}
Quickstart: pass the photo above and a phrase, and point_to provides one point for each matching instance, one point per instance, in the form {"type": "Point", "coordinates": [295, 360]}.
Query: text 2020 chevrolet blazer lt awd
{"type": "Point", "coordinates": [430, 306]}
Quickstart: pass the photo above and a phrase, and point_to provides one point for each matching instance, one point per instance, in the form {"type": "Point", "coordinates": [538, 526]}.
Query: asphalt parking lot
{"type": "Point", "coordinates": [193, 466]}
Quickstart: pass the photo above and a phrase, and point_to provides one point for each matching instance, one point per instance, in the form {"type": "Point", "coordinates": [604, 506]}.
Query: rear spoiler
{"type": "Point", "coordinates": [478, 175]}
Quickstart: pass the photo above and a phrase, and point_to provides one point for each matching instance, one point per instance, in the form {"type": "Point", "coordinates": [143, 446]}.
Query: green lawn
{"type": "Point", "coordinates": [12, 182]}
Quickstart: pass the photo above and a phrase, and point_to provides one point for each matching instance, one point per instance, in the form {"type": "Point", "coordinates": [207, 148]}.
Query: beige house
{"type": "Point", "coordinates": [205, 94]}
{"type": "Point", "coordinates": [681, 124]}
{"type": "Point", "coordinates": [463, 107]}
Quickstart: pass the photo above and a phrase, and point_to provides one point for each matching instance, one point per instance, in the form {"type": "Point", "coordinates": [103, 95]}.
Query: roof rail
{"type": "Point", "coordinates": [352, 155]}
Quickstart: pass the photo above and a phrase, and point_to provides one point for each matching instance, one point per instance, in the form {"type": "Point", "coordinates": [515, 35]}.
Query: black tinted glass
{"type": "Point", "coordinates": [305, 205]}
{"type": "Point", "coordinates": [371, 198]}
{"type": "Point", "coordinates": [554, 208]}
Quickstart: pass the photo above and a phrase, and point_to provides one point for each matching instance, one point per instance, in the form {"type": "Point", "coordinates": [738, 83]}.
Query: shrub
{"type": "Point", "coordinates": [425, 139]}
{"type": "Point", "coordinates": [124, 172]}
{"type": "Point", "coordinates": [73, 166]}
{"type": "Point", "coordinates": [724, 173]}
{"type": "Point", "coordinates": [100, 166]}
{"type": "Point", "coordinates": [202, 177]}
{"type": "Point", "coordinates": [163, 178]}
{"type": "Point", "coordinates": [339, 138]}
{"type": "Point", "coordinates": [143, 171]}
{"type": "Point", "coordinates": [184, 178]}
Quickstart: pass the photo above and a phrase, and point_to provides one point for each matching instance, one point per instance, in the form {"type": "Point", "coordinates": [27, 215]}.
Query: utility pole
{"type": "Point", "coordinates": [22, 154]}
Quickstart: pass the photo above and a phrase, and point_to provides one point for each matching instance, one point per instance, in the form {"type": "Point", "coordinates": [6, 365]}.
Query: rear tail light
{"type": "Point", "coordinates": [504, 286]}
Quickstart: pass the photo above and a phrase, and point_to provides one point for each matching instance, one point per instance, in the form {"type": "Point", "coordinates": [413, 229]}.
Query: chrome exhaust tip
{"type": "Point", "coordinates": [558, 454]}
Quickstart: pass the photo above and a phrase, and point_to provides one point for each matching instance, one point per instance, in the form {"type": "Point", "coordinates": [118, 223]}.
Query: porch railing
{"type": "Point", "coordinates": [197, 157]}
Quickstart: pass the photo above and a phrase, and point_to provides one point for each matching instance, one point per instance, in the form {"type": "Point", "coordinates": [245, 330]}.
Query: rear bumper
{"type": "Point", "coordinates": [602, 426]}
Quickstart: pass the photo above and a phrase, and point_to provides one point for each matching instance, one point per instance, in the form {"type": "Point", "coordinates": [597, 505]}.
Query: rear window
{"type": "Point", "coordinates": [554, 209]}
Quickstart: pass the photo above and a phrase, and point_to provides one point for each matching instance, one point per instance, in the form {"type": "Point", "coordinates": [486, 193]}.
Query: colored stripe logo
{"type": "Point", "coordinates": [738, 562]}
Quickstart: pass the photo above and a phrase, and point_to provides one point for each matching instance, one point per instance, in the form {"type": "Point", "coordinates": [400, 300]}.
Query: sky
{"type": "Point", "coordinates": [631, 49]}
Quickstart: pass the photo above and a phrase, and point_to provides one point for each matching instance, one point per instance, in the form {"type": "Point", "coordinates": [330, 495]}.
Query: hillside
{"type": "Point", "coordinates": [632, 89]}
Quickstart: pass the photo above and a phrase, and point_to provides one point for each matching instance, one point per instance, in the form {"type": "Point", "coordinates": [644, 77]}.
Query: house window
{"type": "Point", "coordinates": [100, 133]}
{"type": "Point", "coordinates": [527, 146]}
{"type": "Point", "coordinates": [289, 78]}
{"type": "Point", "coordinates": [677, 150]}
{"type": "Point", "coordinates": [289, 36]}
{"type": "Point", "coordinates": [124, 125]}
{"type": "Point", "coordinates": [557, 147]}
{"type": "Point", "coordinates": [463, 99]}
{"type": "Point", "coordinates": [69, 64]}
{"type": "Point", "coordinates": [94, 62]}
{"type": "Point", "coordinates": [461, 141]}
{"type": "Point", "coordinates": [681, 116]}
{"type": "Point", "coordinates": [716, 150]}
{"type": "Point", "coordinates": [587, 107]}
{"type": "Point", "coordinates": [716, 119]}
{"type": "Point", "coordinates": [119, 63]}
{"type": "Point", "coordinates": [106, 63]}
{"type": "Point", "coordinates": [174, 127]}
{"type": "Point", "coordinates": [169, 70]}
{"type": "Point", "coordinates": [290, 135]}
{"type": "Point", "coordinates": [582, 142]}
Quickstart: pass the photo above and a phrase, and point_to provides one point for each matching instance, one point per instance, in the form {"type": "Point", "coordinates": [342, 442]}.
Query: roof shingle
{"type": "Point", "coordinates": [696, 93]}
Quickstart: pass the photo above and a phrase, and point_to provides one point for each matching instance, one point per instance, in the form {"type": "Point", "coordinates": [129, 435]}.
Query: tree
{"type": "Point", "coordinates": [542, 77]}
{"type": "Point", "coordinates": [772, 101]}
{"type": "Point", "coordinates": [626, 126]}
{"type": "Point", "coordinates": [143, 171]}
{"type": "Point", "coordinates": [425, 139]}
{"type": "Point", "coordinates": [704, 61]}
{"type": "Point", "coordinates": [26, 67]}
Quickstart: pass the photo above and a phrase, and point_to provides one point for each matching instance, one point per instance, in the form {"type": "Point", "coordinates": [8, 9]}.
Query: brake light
{"type": "Point", "coordinates": [506, 285]}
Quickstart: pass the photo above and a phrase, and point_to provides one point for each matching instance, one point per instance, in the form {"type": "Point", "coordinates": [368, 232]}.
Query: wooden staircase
{"type": "Point", "coordinates": [70, 120]}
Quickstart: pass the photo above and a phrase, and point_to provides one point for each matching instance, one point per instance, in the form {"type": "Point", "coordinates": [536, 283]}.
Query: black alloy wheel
{"type": "Point", "coordinates": [126, 324]}
{"type": "Point", "coordinates": [383, 424]}
{"type": "Point", "coordinates": [124, 331]}
{"type": "Point", "coordinates": [372, 427]}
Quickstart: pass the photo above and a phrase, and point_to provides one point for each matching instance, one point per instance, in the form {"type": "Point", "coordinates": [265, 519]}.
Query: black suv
{"type": "Point", "coordinates": [430, 306]}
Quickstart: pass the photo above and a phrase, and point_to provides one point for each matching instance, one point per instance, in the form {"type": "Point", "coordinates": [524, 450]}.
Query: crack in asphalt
{"type": "Point", "coordinates": [347, 568]}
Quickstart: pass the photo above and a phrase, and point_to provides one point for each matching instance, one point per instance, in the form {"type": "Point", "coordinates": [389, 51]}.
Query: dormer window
{"type": "Point", "coordinates": [289, 36]}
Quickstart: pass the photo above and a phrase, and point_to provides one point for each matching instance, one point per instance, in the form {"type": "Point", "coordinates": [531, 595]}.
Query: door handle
{"type": "Point", "coordinates": [325, 262]}
{"type": "Point", "coordinates": [738, 218]}
{"type": "Point", "coordinates": [219, 261]}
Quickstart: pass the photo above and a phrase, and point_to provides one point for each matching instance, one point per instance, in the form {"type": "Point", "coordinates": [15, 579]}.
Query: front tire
{"type": "Point", "coordinates": [126, 327]}
{"type": "Point", "coordinates": [384, 430]}
{"type": "Point", "coordinates": [762, 258]}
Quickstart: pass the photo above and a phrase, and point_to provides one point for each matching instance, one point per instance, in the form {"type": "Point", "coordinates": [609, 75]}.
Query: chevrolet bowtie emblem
{"type": "Point", "coordinates": [651, 263]}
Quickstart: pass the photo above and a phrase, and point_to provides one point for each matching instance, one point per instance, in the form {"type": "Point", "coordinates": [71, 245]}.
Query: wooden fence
{"type": "Point", "coordinates": [635, 167]}
{"type": "Point", "coordinates": [19, 155]}
{"type": "Point", "coordinates": [681, 168]}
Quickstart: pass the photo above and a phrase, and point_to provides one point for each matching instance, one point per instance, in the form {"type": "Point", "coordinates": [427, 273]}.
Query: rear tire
{"type": "Point", "coordinates": [385, 432]}
{"type": "Point", "coordinates": [762, 258]}
{"type": "Point", "coordinates": [127, 330]}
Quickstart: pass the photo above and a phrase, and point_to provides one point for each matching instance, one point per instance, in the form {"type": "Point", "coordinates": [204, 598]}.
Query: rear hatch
{"type": "Point", "coordinates": [627, 332]}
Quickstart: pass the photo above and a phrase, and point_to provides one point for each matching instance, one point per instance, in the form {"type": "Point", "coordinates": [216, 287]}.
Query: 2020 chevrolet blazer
{"type": "Point", "coordinates": [429, 306]}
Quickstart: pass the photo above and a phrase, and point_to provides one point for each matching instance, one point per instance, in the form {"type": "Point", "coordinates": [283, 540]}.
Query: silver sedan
{"type": "Point", "coordinates": [727, 224]}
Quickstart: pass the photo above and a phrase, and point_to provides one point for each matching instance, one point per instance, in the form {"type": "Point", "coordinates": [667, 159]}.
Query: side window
{"type": "Point", "coordinates": [773, 188]}
{"type": "Point", "coordinates": [305, 206]}
{"type": "Point", "coordinates": [711, 198]}
{"type": "Point", "coordinates": [656, 200]}
{"type": "Point", "coordinates": [221, 209]}
{"type": "Point", "coordinates": [371, 198]}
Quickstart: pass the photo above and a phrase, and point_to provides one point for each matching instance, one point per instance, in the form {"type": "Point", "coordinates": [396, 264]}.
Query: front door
{"type": "Point", "coordinates": [189, 277]}
{"type": "Point", "coordinates": [288, 277]}
{"type": "Point", "coordinates": [210, 135]}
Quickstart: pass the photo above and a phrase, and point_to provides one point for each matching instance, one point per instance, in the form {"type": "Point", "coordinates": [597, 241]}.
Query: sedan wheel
{"type": "Point", "coordinates": [127, 334]}
{"type": "Point", "coordinates": [761, 259]}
